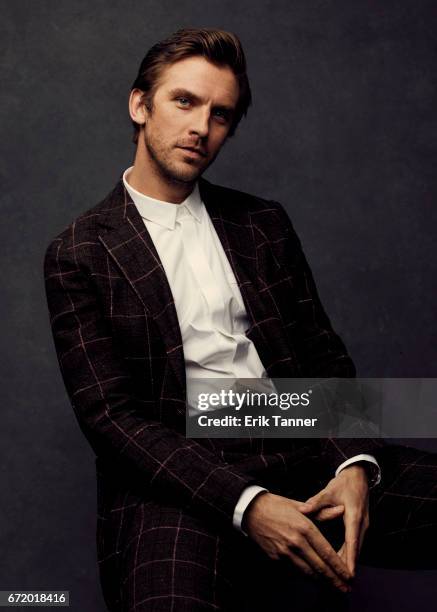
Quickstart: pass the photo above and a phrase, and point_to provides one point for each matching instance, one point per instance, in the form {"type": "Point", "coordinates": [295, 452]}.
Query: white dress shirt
{"type": "Point", "coordinates": [210, 310]}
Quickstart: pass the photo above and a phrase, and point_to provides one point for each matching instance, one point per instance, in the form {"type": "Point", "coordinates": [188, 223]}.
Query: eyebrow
{"type": "Point", "coordinates": [189, 94]}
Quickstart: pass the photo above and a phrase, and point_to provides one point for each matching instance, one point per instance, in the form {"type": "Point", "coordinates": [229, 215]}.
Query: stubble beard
{"type": "Point", "coordinates": [166, 170]}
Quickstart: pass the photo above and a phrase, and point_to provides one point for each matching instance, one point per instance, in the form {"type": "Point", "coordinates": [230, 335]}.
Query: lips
{"type": "Point", "coordinates": [198, 152]}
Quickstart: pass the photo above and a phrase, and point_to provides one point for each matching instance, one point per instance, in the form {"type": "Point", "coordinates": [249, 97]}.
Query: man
{"type": "Point", "coordinates": [170, 279]}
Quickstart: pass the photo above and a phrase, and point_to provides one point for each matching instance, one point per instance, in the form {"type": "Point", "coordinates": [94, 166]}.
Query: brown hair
{"type": "Point", "coordinates": [218, 46]}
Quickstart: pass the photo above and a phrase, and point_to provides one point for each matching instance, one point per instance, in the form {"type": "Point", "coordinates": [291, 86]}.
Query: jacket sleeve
{"type": "Point", "coordinates": [114, 421]}
{"type": "Point", "coordinates": [321, 352]}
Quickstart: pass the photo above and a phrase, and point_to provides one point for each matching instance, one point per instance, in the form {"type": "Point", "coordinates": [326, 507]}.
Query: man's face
{"type": "Point", "coordinates": [191, 116]}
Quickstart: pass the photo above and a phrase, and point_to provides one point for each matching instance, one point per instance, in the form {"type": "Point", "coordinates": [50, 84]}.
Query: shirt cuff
{"type": "Point", "coordinates": [246, 497]}
{"type": "Point", "coordinates": [374, 475]}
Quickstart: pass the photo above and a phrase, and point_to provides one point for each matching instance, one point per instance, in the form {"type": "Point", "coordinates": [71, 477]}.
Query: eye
{"type": "Point", "coordinates": [223, 116]}
{"type": "Point", "coordinates": [183, 101]}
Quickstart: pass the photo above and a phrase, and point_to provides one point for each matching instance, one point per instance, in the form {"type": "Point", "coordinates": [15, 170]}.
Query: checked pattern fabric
{"type": "Point", "coordinates": [165, 500]}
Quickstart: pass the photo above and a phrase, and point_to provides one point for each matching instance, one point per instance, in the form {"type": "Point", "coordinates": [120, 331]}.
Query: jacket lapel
{"type": "Point", "coordinates": [123, 233]}
{"type": "Point", "coordinates": [233, 223]}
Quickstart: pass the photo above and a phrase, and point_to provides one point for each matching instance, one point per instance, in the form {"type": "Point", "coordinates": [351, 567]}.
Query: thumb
{"type": "Point", "coordinates": [312, 504]}
{"type": "Point", "coordinates": [326, 514]}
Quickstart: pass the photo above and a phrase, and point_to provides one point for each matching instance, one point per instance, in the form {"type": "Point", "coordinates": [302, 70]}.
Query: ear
{"type": "Point", "coordinates": [137, 109]}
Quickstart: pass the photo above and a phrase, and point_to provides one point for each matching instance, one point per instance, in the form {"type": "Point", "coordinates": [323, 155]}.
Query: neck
{"type": "Point", "coordinates": [146, 178]}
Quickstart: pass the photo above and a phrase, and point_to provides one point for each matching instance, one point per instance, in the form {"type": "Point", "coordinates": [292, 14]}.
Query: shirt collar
{"type": "Point", "coordinates": [164, 213]}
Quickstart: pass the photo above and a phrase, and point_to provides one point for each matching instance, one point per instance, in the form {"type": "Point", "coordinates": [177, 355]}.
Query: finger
{"type": "Point", "coordinates": [325, 551]}
{"type": "Point", "coordinates": [326, 510]}
{"type": "Point", "coordinates": [312, 504]}
{"type": "Point", "coordinates": [363, 531]}
{"type": "Point", "coordinates": [342, 552]}
{"type": "Point", "coordinates": [319, 567]}
{"type": "Point", "coordinates": [326, 514]}
{"type": "Point", "coordinates": [300, 563]}
{"type": "Point", "coordinates": [352, 522]}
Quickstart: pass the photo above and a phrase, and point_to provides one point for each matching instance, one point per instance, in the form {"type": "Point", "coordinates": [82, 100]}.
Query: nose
{"type": "Point", "coordinates": [200, 123]}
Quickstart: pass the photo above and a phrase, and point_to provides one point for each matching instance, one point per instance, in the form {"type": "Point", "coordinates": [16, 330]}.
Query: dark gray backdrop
{"type": "Point", "coordinates": [342, 132]}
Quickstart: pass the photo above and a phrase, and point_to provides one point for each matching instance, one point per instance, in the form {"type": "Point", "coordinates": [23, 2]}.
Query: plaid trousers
{"type": "Point", "coordinates": [171, 559]}
{"type": "Point", "coordinates": [165, 537]}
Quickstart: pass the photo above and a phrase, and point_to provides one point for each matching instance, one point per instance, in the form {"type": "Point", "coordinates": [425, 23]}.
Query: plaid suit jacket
{"type": "Point", "coordinates": [121, 355]}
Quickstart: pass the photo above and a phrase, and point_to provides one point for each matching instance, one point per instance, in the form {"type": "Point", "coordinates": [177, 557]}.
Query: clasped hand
{"type": "Point", "coordinates": [284, 527]}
